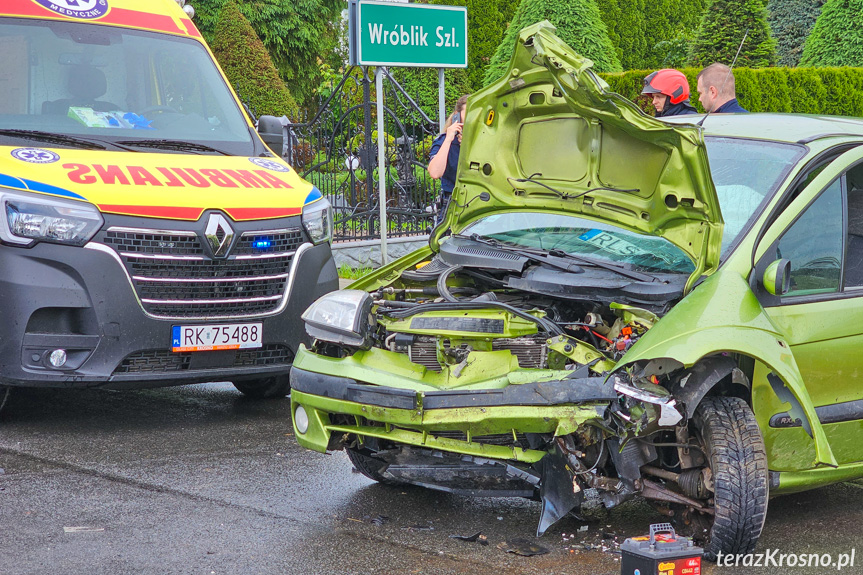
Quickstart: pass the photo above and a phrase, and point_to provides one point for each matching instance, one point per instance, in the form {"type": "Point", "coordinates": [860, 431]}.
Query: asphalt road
{"type": "Point", "coordinates": [199, 480]}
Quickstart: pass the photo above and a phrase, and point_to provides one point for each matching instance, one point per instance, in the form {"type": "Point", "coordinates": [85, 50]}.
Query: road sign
{"type": "Point", "coordinates": [411, 35]}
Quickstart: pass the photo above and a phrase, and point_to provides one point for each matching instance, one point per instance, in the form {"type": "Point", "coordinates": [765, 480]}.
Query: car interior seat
{"type": "Point", "coordinates": [85, 84]}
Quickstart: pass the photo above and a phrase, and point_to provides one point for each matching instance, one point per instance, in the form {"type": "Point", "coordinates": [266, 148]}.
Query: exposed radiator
{"type": "Point", "coordinates": [531, 351]}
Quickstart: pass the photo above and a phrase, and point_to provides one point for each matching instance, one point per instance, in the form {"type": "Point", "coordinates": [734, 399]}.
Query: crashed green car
{"type": "Point", "coordinates": [614, 307]}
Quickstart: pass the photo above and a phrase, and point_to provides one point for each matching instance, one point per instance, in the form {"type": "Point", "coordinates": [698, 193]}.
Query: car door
{"type": "Point", "coordinates": [821, 315]}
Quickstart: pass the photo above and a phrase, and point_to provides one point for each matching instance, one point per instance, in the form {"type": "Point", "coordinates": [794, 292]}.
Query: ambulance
{"type": "Point", "coordinates": [148, 235]}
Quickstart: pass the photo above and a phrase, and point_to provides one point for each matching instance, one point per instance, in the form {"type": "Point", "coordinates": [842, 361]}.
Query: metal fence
{"type": "Point", "coordinates": [335, 148]}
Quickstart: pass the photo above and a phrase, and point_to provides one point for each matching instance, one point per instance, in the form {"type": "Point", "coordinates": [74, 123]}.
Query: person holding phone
{"type": "Point", "coordinates": [443, 157]}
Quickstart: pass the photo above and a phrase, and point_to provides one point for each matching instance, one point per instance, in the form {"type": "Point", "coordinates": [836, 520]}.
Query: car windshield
{"type": "Point", "coordinates": [579, 236]}
{"type": "Point", "coordinates": [115, 85]}
{"type": "Point", "coordinates": [746, 173]}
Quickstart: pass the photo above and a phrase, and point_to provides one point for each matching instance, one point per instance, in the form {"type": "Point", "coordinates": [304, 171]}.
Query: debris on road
{"type": "Point", "coordinates": [477, 537]}
{"type": "Point", "coordinates": [523, 547]}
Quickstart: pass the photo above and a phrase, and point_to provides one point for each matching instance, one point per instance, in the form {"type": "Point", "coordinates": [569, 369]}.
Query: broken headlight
{"type": "Point", "coordinates": [341, 317]}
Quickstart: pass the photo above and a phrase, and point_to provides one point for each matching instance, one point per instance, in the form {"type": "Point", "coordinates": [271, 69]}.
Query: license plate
{"type": "Point", "coordinates": [216, 337]}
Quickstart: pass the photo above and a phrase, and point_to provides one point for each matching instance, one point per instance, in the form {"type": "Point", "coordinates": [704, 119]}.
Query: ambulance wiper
{"type": "Point", "coordinates": [178, 145]}
{"type": "Point", "coordinates": [51, 138]}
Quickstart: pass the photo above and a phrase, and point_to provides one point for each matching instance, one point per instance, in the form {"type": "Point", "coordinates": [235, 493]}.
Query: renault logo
{"type": "Point", "coordinates": [219, 235]}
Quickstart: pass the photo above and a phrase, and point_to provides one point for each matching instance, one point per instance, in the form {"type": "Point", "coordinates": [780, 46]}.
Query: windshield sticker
{"type": "Point", "coordinates": [86, 9]}
{"type": "Point", "coordinates": [269, 164]}
{"type": "Point", "coordinates": [611, 243]}
{"type": "Point", "coordinates": [35, 155]}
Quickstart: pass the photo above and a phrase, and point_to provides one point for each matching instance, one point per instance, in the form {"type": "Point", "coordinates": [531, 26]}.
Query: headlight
{"type": "Point", "coordinates": [318, 221]}
{"type": "Point", "coordinates": [341, 317]}
{"type": "Point", "coordinates": [30, 217]}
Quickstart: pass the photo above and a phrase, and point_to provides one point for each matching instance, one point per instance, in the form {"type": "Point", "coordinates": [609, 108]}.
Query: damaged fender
{"type": "Point", "coordinates": [729, 319]}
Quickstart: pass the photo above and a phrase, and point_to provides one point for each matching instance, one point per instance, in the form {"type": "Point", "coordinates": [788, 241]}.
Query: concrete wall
{"type": "Point", "coordinates": [367, 254]}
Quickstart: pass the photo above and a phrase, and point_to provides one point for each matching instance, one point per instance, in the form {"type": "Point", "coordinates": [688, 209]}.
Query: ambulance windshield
{"type": "Point", "coordinates": [117, 85]}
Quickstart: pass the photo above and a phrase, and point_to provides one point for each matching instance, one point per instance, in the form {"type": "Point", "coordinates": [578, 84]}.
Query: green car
{"type": "Point", "coordinates": [614, 307]}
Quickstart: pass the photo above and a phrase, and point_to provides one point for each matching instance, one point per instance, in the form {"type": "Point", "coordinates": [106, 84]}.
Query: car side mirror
{"type": "Point", "coordinates": [270, 129]}
{"type": "Point", "coordinates": [777, 277]}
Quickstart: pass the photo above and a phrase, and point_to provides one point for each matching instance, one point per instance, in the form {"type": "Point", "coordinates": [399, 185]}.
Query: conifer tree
{"type": "Point", "coordinates": [578, 24]}
{"type": "Point", "coordinates": [723, 26]}
{"type": "Point", "coordinates": [837, 37]}
{"type": "Point", "coordinates": [791, 21]}
{"type": "Point", "coordinates": [248, 65]}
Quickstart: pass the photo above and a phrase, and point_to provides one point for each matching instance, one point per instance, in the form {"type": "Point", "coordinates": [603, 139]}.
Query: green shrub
{"type": "Point", "coordinates": [722, 29]}
{"type": "Point", "coordinates": [790, 22]}
{"type": "Point", "coordinates": [578, 24]}
{"type": "Point", "coordinates": [827, 91]}
{"type": "Point", "coordinates": [837, 37]}
{"type": "Point", "coordinates": [295, 33]}
{"type": "Point", "coordinates": [248, 66]}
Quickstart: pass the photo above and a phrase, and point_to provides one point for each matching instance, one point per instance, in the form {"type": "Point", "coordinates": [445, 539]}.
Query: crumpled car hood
{"type": "Point", "coordinates": [549, 137]}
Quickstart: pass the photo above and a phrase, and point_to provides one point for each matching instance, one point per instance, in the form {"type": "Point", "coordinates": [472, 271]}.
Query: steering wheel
{"type": "Point", "coordinates": [160, 109]}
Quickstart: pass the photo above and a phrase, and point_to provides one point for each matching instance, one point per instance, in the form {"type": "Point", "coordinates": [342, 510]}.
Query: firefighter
{"type": "Point", "coordinates": [670, 92]}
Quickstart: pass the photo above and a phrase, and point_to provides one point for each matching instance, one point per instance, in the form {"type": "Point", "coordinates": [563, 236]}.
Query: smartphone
{"type": "Point", "coordinates": [456, 118]}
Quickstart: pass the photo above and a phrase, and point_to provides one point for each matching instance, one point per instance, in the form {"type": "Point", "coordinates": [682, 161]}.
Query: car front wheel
{"type": "Point", "coordinates": [728, 433]}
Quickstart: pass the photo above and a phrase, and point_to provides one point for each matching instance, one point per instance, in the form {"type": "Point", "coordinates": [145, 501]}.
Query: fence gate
{"type": "Point", "coordinates": [336, 149]}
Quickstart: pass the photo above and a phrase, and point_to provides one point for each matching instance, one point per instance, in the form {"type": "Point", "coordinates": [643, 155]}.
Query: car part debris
{"type": "Point", "coordinates": [523, 547]}
{"type": "Point", "coordinates": [477, 537]}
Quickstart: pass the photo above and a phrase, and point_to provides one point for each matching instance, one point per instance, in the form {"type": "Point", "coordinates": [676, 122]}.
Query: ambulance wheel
{"type": "Point", "coordinates": [368, 465]}
{"type": "Point", "coordinates": [265, 388]}
{"type": "Point", "coordinates": [727, 431]}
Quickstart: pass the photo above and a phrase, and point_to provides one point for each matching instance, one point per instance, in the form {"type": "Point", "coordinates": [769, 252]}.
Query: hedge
{"type": "Point", "coordinates": [828, 91]}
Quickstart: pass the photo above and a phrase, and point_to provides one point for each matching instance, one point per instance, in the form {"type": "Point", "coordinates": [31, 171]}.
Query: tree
{"type": "Point", "coordinates": [722, 29]}
{"type": "Point", "coordinates": [670, 26]}
{"type": "Point", "coordinates": [791, 21]}
{"type": "Point", "coordinates": [627, 30]}
{"type": "Point", "coordinates": [295, 33]}
{"type": "Point", "coordinates": [578, 24]}
{"type": "Point", "coordinates": [837, 37]}
{"type": "Point", "coordinates": [248, 66]}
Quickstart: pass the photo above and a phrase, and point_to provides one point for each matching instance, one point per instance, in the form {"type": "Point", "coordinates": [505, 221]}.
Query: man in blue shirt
{"type": "Point", "coordinates": [443, 156]}
{"type": "Point", "coordinates": [717, 91]}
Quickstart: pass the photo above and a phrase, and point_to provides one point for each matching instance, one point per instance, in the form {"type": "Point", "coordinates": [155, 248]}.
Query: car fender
{"type": "Point", "coordinates": [722, 315]}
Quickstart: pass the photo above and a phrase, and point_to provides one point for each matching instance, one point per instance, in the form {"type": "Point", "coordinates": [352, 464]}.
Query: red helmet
{"type": "Point", "coordinates": [670, 82]}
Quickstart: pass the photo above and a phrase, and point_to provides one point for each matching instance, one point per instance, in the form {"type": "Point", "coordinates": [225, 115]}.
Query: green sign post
{"type": "Point", "coordinates": [405, 35]}
{"type": "Point", "coordinates": [411, 35]}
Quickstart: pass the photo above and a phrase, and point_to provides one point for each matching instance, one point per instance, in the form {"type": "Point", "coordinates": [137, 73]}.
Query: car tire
{"type": "Point", "coordinates": [735, 451]}
{"type": "Point", "coordinates": [368, 465]}
{"type": "Point", "coordinates": [265, 388]}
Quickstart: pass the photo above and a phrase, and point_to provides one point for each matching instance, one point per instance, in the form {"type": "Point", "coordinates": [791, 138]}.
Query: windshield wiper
{"type": "Point", "coordinates": [563, 195]}
{"type": "Point", "coordinates": [178, 145]}
{"type": "Point", "coordinates": [543, 256]}
{"type": "Point", "coordinates": [64, 140]}
{"type": "Point", "coordinates": [550, 257]}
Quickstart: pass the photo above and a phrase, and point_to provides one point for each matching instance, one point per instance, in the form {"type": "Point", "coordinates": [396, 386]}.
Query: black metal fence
{"type": "Point", "coordinates": [335, 148]}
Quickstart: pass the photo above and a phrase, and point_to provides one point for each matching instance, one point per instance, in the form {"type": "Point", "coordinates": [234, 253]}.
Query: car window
{"type": "Point", "coordinates": [813, 244]}
{"type": "Point", "coordinates": [854, 244]}
{"type": "Point", "coordinates": [746, 173]}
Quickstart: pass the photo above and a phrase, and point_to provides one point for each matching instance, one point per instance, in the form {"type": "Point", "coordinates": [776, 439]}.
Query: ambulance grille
{"type": "Point", "coordinates": [163, 360]}
{"type": "Point", "coordinates": [175, 278]}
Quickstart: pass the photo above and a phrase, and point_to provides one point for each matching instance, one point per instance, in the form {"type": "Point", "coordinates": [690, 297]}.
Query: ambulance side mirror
{"type": "Point", "coordinates": [272, 133]}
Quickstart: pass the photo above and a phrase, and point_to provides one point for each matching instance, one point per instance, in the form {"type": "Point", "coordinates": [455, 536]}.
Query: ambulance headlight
{"type": "Point", "coordinates": [30, 218]}
{"type": "Point", "coordinates": [318, 221]}
{"type": "Point", "coordinates": [341, 317]}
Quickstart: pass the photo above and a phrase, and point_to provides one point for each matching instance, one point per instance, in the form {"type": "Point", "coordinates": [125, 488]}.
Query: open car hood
{"type": "Point", "coordinates": [552, 120]}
